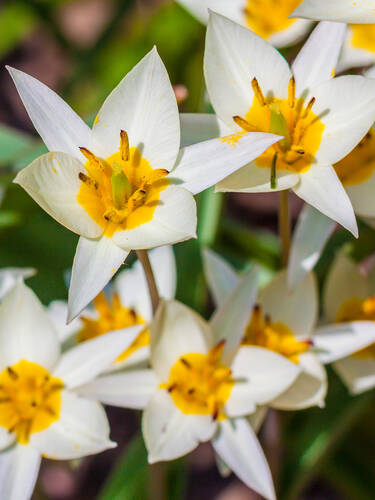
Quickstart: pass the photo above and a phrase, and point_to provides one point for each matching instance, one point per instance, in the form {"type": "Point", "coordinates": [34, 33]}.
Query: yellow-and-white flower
{"type": "Point", "coordinates": [125, 184]}
{"type": "Point", "coordinates": [10, 275]}
{"type": "Point", "coordinates": [41, 410]}
{"type": "Point", "coordinates": [202, 386]}
{"type": "Point", "coordinates": [357, 173]}
{"type": "Point", "coordinates": [267, 18]}
{"type": "Point", "coordinates": [126, 304]}
{"type": "Point", "coordinates": [322, 118]}
{"type": "Point", "coordinates": [349, 296]}
{"type": "Point", "coordinates": [346, 11]}
{"type": "Point", "coordinates": [359, 47]}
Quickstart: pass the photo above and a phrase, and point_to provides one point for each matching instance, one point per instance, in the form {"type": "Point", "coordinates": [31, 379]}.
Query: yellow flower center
{"type": "Point", "coordinates": [267, 17]}
{"type": "Point", "coordinates": [200, 384]}
{"type": "Point", "coordinates": [276, 337]}
{"type": "Point", "coordinates": [30, 399]}
{"type": "Point", "coordinates": [113, 316]}
{"type": "Point", "coordinates": [363, 36]}
{"type": "Point", "coordinates": [357, 309]}
{"type": "Point", "coordinates": [291, 118]}
{"type": "Point", "coordinates": [359, 165]}
{"type": "Point", "coordinates": [122, 191]}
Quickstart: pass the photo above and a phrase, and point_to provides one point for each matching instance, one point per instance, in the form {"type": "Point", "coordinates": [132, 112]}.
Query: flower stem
{"type": "Point", "coordinates": [158, 479]}
{"type": "Point", "coordinates": [284, 227]}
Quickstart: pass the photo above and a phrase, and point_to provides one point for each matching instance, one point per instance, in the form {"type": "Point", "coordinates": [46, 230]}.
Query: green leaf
{"type": "Point", "coordinates": [13, 144]}
{"type": "Point", "coordinates": [16, 21]}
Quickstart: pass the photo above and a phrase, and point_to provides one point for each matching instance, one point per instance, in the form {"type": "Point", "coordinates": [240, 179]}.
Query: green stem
{"type": "Point", "coordinates": [154, 294]}
{"type": "Point", "coordinates": [284, 227]}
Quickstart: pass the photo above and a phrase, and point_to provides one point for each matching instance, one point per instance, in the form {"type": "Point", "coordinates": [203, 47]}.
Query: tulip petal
{"type": "Point", "coordinates": [169, 433]}
{"type": "Point", "coordinates": [334, 342]}
{"type": "Point", "coordinates": [82, 429]}
{"type": "Point", "coordinates": [87, 360]}
{"type": "Point", "coordinates": [144, 105]}
{"type": "Point", "coordinates": [19, 468]}
{"type": "Point", "coordinates": [317, 60]}
{"type": "Point", "coordinates": [10, 275]}
{"type": "Point", "coordinates": [175, 331]}
{"type": "Point", "coordinates": [129, 389]}
{"type": "Point", "coordinates": [57, 124]}
{"type": "Point", "coordinates": [234, 56]}
{"type": "Point", "coordinates": [203, 165]}
{"type": "Point", "coordinates": [238, 446]}
{"type": "Point", "coordinates": [174, 220]}
{"type": "Point", "coordinates": [229, 321]}
{"type": "Point", "coordinates": [310, 236]}
{"type": "Point", "coordinates": [6, 438]}
{"type": "Point", "coordinates": [362, 197]}
{"type": "Point", "coordinates": [220, 276]}
{"type": "Point", "coordinates": [357, 374]}
{"type": "Point", "coordinates": [233, 9]}
{"type": "Point", "coordinates": [95, 262]}
{"type": "Point", "coordinates": [58, 312]}
{"type": "Point", "coordinates": [345, 11]}
{"type": "Point", "coordinates": [26, 332]}
{"type": "Point", "coordinates": [321, 188]}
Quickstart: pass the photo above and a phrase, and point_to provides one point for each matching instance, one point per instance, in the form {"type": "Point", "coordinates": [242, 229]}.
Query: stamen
{"type": "Point", "coordinates": [92, 158]}
{"type": "Point", "coordinates": [172, 388]}
{"type": "Point", "coordinates": [309, 107]}
{"type": "Point", "coordinates": [87, 180]}
{"type": "Point", "coordinates": [191, 391]}
{"type": "Point", "coordinates": [273, 172]}
{"type": "Point", "coordinates": [4, 400]}
{"type": "Point", "coordinates": [244, 124]}
{"type": "Point", "coordinates": [185, 362]}
{"type": "Point", "coordinates": [124, 145]}
{"type": "Point", "coordinates": [291, 92]}
{"type": "Point", "coordinates": [258, 92]}
{"type": "Point", "coordinates": [12, 374]}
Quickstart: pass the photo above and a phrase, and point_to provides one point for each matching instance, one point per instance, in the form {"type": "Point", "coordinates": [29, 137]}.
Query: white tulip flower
{"type": "Point", "coordinates": [202, 386]}
{"type": "Point", "coordinates": [284, 321]}
{"type": "Point", "coordinates": [322, 118]}
{"type": "Point", "coordinates": [349, 296]}
{"type": "Point", "coordinates": [267, 18]}
{"type": "Point", "coordinates": [10, 275]}
{"type": "Point", "coordinates": [41, 411]}
{"type": "Point", "coordinates": [124, 185]}
{"type": "Point", "coordinates": [126, 304]}
{"type": "Point", "coordinates": [359, 47]}
{"type": "Point", "coordinates": [346, 11]}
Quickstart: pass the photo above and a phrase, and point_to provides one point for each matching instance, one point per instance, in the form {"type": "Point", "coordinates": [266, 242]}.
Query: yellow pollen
{"type": "Point", "coordinates": [122, 191]}
{"type": "Point", "coordinates": [291, 118]}
{"type": "Point", "coordinates": [363, 36]}
{"type": "Point", "coordinates": [357, 309]}
{"type": "Point", "coordinates": [30, 399]}
{"type": "Point", "coordinates": [358, 166]}
{"type": "Point", "coordinates": [267, 17]}
{"type": "Point", "coordinates": [276, 337]}
{"type": "Point", "coordinates": [200, 384]}
{"type": "Point", "coordinates": [233, 139]}
{"type": "Point", "coordinates": [113, 316]}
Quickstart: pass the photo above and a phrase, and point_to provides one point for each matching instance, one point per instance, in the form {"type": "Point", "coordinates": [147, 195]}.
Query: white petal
{"type": "Point", "coordinates": [353, 57]}
{"type": "Point", "coordinates": [291, 35]}
{"type": "Point", "coordinates": [362, 197]}
{"type": "Point", "coordinates": [87, 360]}
{"type": "Point", "coordinates": [81, 430]}
{"type": "Point", "coordinates": [346, 107]}
{"type": "Point", "coordinates": [163, 264]}
{"type": "Point", "coordinates": [175, 331]}
{"type": "Point", "coordinates": [333, 342]}
{"type": "Point", "coordinates": [321, 188]}
{"type": "Point", "coordinates": [261, 375]}
{"type": "Point", "coordinates": [308, 390]}
{"type": "Point", "coordinates": [233, 56]}
{"type": "Point", "coordinates": [344, 281]}
{"type": "Point", "coordinates": [10, 275]}
{"type": "Point", "coordinates": [317, 60]}
{"type": "Point", "coordinates": [254, 179]}
{"type": "Point", "coordinates": [370, 73]}
{"type": "Point", "coordinates": [309, 238]}
{"type": "Point", "coordinates": [174, 220]}
{"type": "Point", "coordinates": [257, 419]}
{"type": "Point", "coordinates": [144, 105]}
{"type": "Point", "coordinates": [58, 312]}
{"type": "Point", "coordinates": [237, 444]}
{"type": "Point", "coordinates": [26, 331]}
{"type": "Point", "coordinates": [233, 9]}
{"type": "Point", "coordinates": [19, 468]}
{"type": "Point", "coordinates": [6, 439]}
{"type": "Point", "coordinates": [57, 124]}
{"type": "Point", "coordinates": [170, 434]}
{"type": "Point", "coordinates": [203, 165]}
{"type": "Point", "coordinates": [297, 308]}
{"type": "Point", "coordinates": [95, 262]}
{"type": "Point", "coordinates": [229, 321]}
{"type": "Point", "coordinates": [357, 374]}
{"type": "Point", "coordinates": [198, 127]}
{"type": "Point", "coordinates": [52, 181]}
{"type": "Point", "coordinates": [220, 276]}
{"type": "Point", "coordinates": [345, 11]}
{"type": "Point", "coordinates": [129, 389]}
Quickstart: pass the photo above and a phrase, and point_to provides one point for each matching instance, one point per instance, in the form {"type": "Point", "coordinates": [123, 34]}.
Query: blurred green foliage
{"type": "Point", "coordinates": [333, 444]}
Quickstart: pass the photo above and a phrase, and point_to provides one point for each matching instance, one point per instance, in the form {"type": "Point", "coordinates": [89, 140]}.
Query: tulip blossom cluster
{"type": "Point", "coordinates": [128, 184]}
